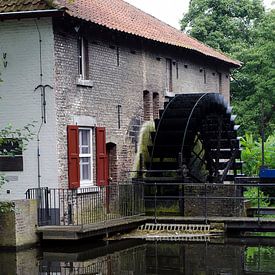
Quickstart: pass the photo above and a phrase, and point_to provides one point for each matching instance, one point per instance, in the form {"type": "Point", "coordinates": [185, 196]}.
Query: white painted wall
{"type": "Point", "coordinates": [19, 104]}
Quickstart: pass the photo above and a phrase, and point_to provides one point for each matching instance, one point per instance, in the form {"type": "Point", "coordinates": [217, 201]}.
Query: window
{"type": "Point", "coordinates": [83, 58]}
{"type": "Point", "coordinates": [11, 155]}
{"type": "Point", "coordinates": [81, 155]}
{"type": "Point", "coordinates": [85, 157]}
{"type": "Point", "coordinates": [146, 106]}
{"type": "Point", "coordinates": [220, 82]}
{"type": "Point", "coordinates": [155, 105]}
{"type": "Point", "coordinates": [169, 87]}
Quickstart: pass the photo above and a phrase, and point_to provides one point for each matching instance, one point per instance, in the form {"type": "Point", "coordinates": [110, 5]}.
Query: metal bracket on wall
{"type": "Point", "coordinates": [5, 62]}
{"type": "Point", "coordinates": [43, 100]}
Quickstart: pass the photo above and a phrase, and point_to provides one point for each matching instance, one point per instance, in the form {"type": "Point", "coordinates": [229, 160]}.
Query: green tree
{"type": "Point", "coordinates": [252, 154]}
{"type": "Point", "coordinates": [222, 24]}
{"type": "Point", "coordinates": [253, 85]}
{"type": "Point", "coordinates": [19, 138]}
{"type": "Point", "coordinates": [252, 157]}
{"type": "Point", "coordinates": [243, 30]}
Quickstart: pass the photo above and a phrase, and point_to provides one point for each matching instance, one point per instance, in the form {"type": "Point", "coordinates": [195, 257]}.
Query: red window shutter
{"type": "Point", "coordinates": [73, 157]}
{"type": "Point", "coordinates": [101, 157]}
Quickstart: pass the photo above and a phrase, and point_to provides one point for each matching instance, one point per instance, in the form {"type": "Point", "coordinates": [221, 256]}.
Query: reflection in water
{"type": "Point", "coordinates": [260, 260]}
{"type": "Point", "coordinates": [138, 257]}
{"type": "Point", "coordinates": [23, 262]}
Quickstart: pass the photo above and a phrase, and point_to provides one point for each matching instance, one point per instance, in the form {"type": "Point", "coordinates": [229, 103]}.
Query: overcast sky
{"type": "Point", "coordinates": [169, 11]}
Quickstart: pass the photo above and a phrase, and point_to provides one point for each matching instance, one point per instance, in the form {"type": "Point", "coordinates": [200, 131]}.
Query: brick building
{"type": "Point", "coordinates": [108, 67]}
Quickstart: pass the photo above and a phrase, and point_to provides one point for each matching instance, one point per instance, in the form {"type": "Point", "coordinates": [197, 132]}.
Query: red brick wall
{"type": "Point", "coordinates": [121, 69]}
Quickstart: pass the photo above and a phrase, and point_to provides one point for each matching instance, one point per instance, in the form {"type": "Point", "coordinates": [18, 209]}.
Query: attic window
{"type": "Point", "coordinates": [83, 58]}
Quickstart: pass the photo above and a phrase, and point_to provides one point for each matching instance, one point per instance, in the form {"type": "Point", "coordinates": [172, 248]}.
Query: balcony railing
{"type": "Point", "coordinates": [87, 205]}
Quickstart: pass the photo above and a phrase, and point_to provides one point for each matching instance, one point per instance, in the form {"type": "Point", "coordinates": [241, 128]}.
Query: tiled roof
{"type": "Point", "coordinates": [121, 16]}
{"type": "Point", "coordinates": [22, 5]}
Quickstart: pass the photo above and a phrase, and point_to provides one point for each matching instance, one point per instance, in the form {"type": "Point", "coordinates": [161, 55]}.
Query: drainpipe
{"type": "Point", "coordinates": [42, 115]}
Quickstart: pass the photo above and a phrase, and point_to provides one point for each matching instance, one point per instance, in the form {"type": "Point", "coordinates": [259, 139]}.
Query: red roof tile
{"type": "Point", "coordinates": [22, 5]}
{"type": "Point", "coordinates": [121, 16]}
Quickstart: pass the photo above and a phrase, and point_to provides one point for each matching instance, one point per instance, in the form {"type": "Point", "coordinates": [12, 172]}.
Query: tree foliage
{"type": "Point", "coordinates": [252, 154]}
{"type": "Point", "coordinates": [222, 24]}
{"type": "Point", "coordinates": [257, 196]}
{"type": "Point", "coordinates": [253, 87]}
{"type": "Point", "coordinates": [23, 135]}
{"type": "Point", "coordinates": [243, 30]}
{"type": "Point", "coordinates": [252, 157]}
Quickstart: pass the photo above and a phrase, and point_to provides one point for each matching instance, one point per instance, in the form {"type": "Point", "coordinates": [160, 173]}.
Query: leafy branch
{"type": "Point", "coordinates": [18, 138]}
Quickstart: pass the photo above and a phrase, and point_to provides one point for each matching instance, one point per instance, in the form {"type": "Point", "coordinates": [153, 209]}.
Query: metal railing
{"type": "Point", "coordinates": [98, 204]}
{"type": "Point", "coordinates": [206, 200]}
{"type": "Point", "coordinates": [87, 205]}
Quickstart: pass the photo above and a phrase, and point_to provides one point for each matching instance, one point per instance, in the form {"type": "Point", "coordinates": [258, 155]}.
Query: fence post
{"type": "Point", "coordinates": [39, 206]}
{"type": "Point", "coordinates": [140, 172]}
{"type": "Point", "coordinates": [258, 191]}
{"type": "Point", "coordinates": [155, 202]}
{"type": "Point", "coordinates": [205, 201]}
{"type": "Point", "coordinates": [133, 199]}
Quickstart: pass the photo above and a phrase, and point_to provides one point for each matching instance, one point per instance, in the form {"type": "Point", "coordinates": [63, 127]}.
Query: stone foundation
{"type": "Point", "coordinates": [219, 201]}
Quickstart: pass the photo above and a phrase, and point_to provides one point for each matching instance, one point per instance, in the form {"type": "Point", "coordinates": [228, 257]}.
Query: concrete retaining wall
{"type": "Point", "coordinates": [18, 227]}
{"type": "Point", "coordinates": [220, 201]}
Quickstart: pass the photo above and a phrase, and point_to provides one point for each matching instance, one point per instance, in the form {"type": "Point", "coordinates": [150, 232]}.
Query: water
{"type": "Point", "coordinates": [235, 256]}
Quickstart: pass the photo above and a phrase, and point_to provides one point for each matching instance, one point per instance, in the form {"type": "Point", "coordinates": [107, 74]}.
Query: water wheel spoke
{"type": "Point", "coordinates": [204, 125]}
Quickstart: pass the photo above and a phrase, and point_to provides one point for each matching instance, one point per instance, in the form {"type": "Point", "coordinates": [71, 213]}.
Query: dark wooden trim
{"type": "Point", "coordinates": [31, 14]}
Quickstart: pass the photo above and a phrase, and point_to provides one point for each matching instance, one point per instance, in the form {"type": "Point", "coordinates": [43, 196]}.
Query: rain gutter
{"type": "Point", "coordinates": [32, 14]}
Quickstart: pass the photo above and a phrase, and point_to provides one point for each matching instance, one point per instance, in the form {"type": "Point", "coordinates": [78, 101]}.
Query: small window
{"type": "Point", "coordinates": [169, 87]}
{"type": "Point", "coordinates": [146, 106]}
{"type": "Point", "coordinates": [85, 156]}
{"type": "Point", "coordinates": [11, 155]}
{"type": "Point", "coordinates": [155, 105]}
{"type": "Point", "coordinates": [220, 82]}
{"type": "Point", "coordinates": [83, 58]}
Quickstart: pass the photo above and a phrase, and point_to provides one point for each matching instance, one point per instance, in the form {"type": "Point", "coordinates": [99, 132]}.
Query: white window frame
{"type": "Point", "coordinates": [82, 59]}
{"type": "Point", "coordinates": [86, 183]}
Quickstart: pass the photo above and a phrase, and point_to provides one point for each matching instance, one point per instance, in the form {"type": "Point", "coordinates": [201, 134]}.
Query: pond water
{"type": "Point", "coordinates": [222, 257]}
